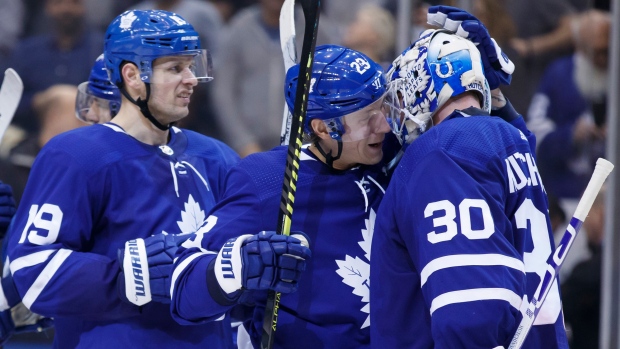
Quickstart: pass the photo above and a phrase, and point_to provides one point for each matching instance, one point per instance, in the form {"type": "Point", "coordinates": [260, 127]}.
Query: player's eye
{"type": "Point", "coordinates": [177, 68]}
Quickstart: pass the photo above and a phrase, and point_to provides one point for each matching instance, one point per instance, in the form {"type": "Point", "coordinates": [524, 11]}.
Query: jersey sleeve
{"type": "Point", "coordinates": [195, 298]}
{"type": "Point", "coordinates": [454, 229]}
{"type": "Point", "coordinates": [54, 272]}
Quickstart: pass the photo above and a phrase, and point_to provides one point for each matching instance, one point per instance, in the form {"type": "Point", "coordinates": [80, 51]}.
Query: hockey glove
{"type": "Point", "coordinates": [15, 317]}
{"type": "Point", "coordinates": [498, 68]}
{"type": "Point", "coordinates": [7, 207]}
{"type": "Point", "coordinates": [146, 265]}
{"type": "Point", "coordinates": [265, 261]}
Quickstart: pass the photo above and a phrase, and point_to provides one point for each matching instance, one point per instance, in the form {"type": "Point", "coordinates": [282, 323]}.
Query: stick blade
{"type": "Point", "coordinates": [287, 33]}
{"type": "Point", "coordinates": [10, 94]}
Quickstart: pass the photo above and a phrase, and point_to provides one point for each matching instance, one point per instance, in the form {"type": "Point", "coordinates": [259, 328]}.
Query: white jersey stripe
{"type": "Point", "coordinates": [30, 260]}
{"type": "Point", "coordinates": [463, 260]}
{"type": "Point", "coordinates": [476, 294]}
{"type": "Point", "coordinates": [179, 269]}
{"type": "Point", "coordinates": [44, 278]}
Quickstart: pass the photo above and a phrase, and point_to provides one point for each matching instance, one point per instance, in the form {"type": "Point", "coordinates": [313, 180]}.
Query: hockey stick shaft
{"type": "Point", "coordinates": [10, 95]}
{"type": "Point", "coordinates": [289, 55]}
{"type": "Point", "coordinates": [311, 15]}
{"type": "Point", "coordinates": [554, 263]}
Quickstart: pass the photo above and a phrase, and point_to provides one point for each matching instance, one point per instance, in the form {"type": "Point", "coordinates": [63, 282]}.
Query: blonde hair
{"type": "Point", "coordinates": [384, 25]}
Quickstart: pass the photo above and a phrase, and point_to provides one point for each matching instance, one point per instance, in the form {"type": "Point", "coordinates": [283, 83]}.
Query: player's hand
{"type": "Point", "coordinates": [265, 261]}
{"type": "Point", "coordinates": [146, 265]}
{"type": "Point", "coordinates": [7, 207]}
{"type": "Point", "coordinates": [498, 68]}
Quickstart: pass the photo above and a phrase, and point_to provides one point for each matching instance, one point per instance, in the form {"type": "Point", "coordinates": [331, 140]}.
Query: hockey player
{"type": "Point", "coordinates": [98, 99]}
{"type": "Point", "coordinates": [463, 228]}
{"type": "Point", "coordinates": [94, 188]}
{"type": "Point", "coordinates": [341, 182]}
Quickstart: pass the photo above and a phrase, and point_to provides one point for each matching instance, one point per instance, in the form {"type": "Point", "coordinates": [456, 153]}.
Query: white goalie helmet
{"type": "Point", "coordinates": [435, 68]}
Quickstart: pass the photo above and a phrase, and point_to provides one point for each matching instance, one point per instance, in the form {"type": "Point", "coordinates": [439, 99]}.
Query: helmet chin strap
{"type": "Point", "coordinates": [144, 108]}
{"type": "Point", "coordinates": [329, 159]}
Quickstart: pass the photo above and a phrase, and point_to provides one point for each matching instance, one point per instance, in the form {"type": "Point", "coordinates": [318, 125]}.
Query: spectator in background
{"type": "Point", "coordinates": [497, 20]}
{"type": "Point", "coordinates": [63, 55]}
{"type": "Point", "coordinates": [582, 290]}
{"type": "Point", "coordinates": [568, 112]}
{"type": "Point", "coordinates": [55, 108]}
{"type": "Point", "coordinates": [542, 35]}
{"type": "Point", "coordinates": [250, 70]}
{"type": "Point", "coordinates": [201, 14]}
{"type": "Point", "coordinates": [343, 12]}
{"type": "Point", "coordinates": [228, 8]}
{"type": "Point", "coordinates": [11, 19]}
{"type": "Point", "coordinates": [373, 32]}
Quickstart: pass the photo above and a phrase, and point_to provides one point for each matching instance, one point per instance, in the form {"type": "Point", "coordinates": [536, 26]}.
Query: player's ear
{"type": "Point", "coordinates": [131, 77]}
{"type": "Point", "coordinates": [319, 129]}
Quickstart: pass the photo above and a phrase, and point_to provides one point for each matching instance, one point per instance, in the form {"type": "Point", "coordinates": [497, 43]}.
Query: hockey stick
{"type": "Point", "coordinates": [289, 54]}
{"type": "Point", "coordinates": [601, 171]}
{"type": "Point", "coordinates": [10, 95]}
{"type": "Point", "coordinates": [311, 15]}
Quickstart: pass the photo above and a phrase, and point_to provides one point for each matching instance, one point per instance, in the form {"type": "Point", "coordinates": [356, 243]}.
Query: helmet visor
{"type": "Point", "coordinates": [360, 124]}
{"type": "Point", "coordinates": [195, 66]}
{"type": "Point", "coordinates": [92, 109]}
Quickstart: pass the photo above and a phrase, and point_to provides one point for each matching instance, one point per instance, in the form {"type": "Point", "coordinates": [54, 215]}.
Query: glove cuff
{"type": "Point", "coordinates": [228, 265]}
{"type": "Point", "coordinates": [137, 288]}
{"type": "Point", "coordinates": [507, 112]}
{"type": "Point", "coordinates": [216, 292]}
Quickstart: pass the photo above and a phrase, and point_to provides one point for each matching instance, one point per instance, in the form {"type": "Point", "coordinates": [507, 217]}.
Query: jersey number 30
{"type": "Point", "coordinates": [526, 217]}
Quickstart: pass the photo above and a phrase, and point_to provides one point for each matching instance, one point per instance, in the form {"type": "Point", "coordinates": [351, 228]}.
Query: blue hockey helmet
{"type": "Point", "coordinates": [141, 37]}
{"type": "Point", "coordinates": [98, 100]}
{"type": "Point", "coordinates": [435, 68]}
{"type": "Point", "coordinates": [343, 81]}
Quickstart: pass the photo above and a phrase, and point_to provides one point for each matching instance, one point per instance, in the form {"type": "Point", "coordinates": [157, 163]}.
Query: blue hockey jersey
{"type": "Point", "coordinates": [462, 234]}
{"type": "Point", "coordinates": [337, 210]}
{"type": "Point", "coordinates": [90, 190]}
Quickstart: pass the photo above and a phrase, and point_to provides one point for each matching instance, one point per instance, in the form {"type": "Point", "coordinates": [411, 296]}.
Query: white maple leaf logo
{"type": "Point", "coordinates": [355, 272]}
{"type": "Point", "coordinates": [192, 217]}
{"type": "Point", "coordinates": [312, 82]}
{"type": "Point", "coordinates": [127, 20]}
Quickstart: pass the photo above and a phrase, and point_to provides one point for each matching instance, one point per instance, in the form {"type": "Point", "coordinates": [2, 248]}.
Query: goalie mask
{"type": "Point", "coordinates": [346, 92]}
{"type": "Point", "coordinates": [435, 68]}
{"type": "Point", "coordinates": [98, 100]}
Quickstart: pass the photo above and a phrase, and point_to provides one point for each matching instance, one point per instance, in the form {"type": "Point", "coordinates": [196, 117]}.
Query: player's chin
{"type": "Point", "coordinates": [179, 113]}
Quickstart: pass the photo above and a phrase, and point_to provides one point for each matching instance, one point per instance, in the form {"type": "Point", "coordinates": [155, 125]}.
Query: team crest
{"type": "Point", "coordinates": [192, 217]}
{"type": "Point", "coordinates": [127, 20]}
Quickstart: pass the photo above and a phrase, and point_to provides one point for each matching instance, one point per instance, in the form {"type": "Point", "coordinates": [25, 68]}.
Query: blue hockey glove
{"type": "Point", "coordinates": [498, 68]}
{"type": "Point", "coordinates": [14, 316]}
{"type": "Point", "coordinates": [265, 261]}
{"type": "Point", "coordinates": [7, 207]}
{"type": "Point", "coordinates": [146, 265]}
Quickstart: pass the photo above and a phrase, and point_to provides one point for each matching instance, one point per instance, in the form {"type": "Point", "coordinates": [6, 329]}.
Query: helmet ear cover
{"type": "Point", "coordinates": [343, 81]}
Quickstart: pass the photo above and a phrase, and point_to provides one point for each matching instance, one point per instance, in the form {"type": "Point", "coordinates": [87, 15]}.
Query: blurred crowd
{"type": "Point", "coordinates": [560, 49]}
